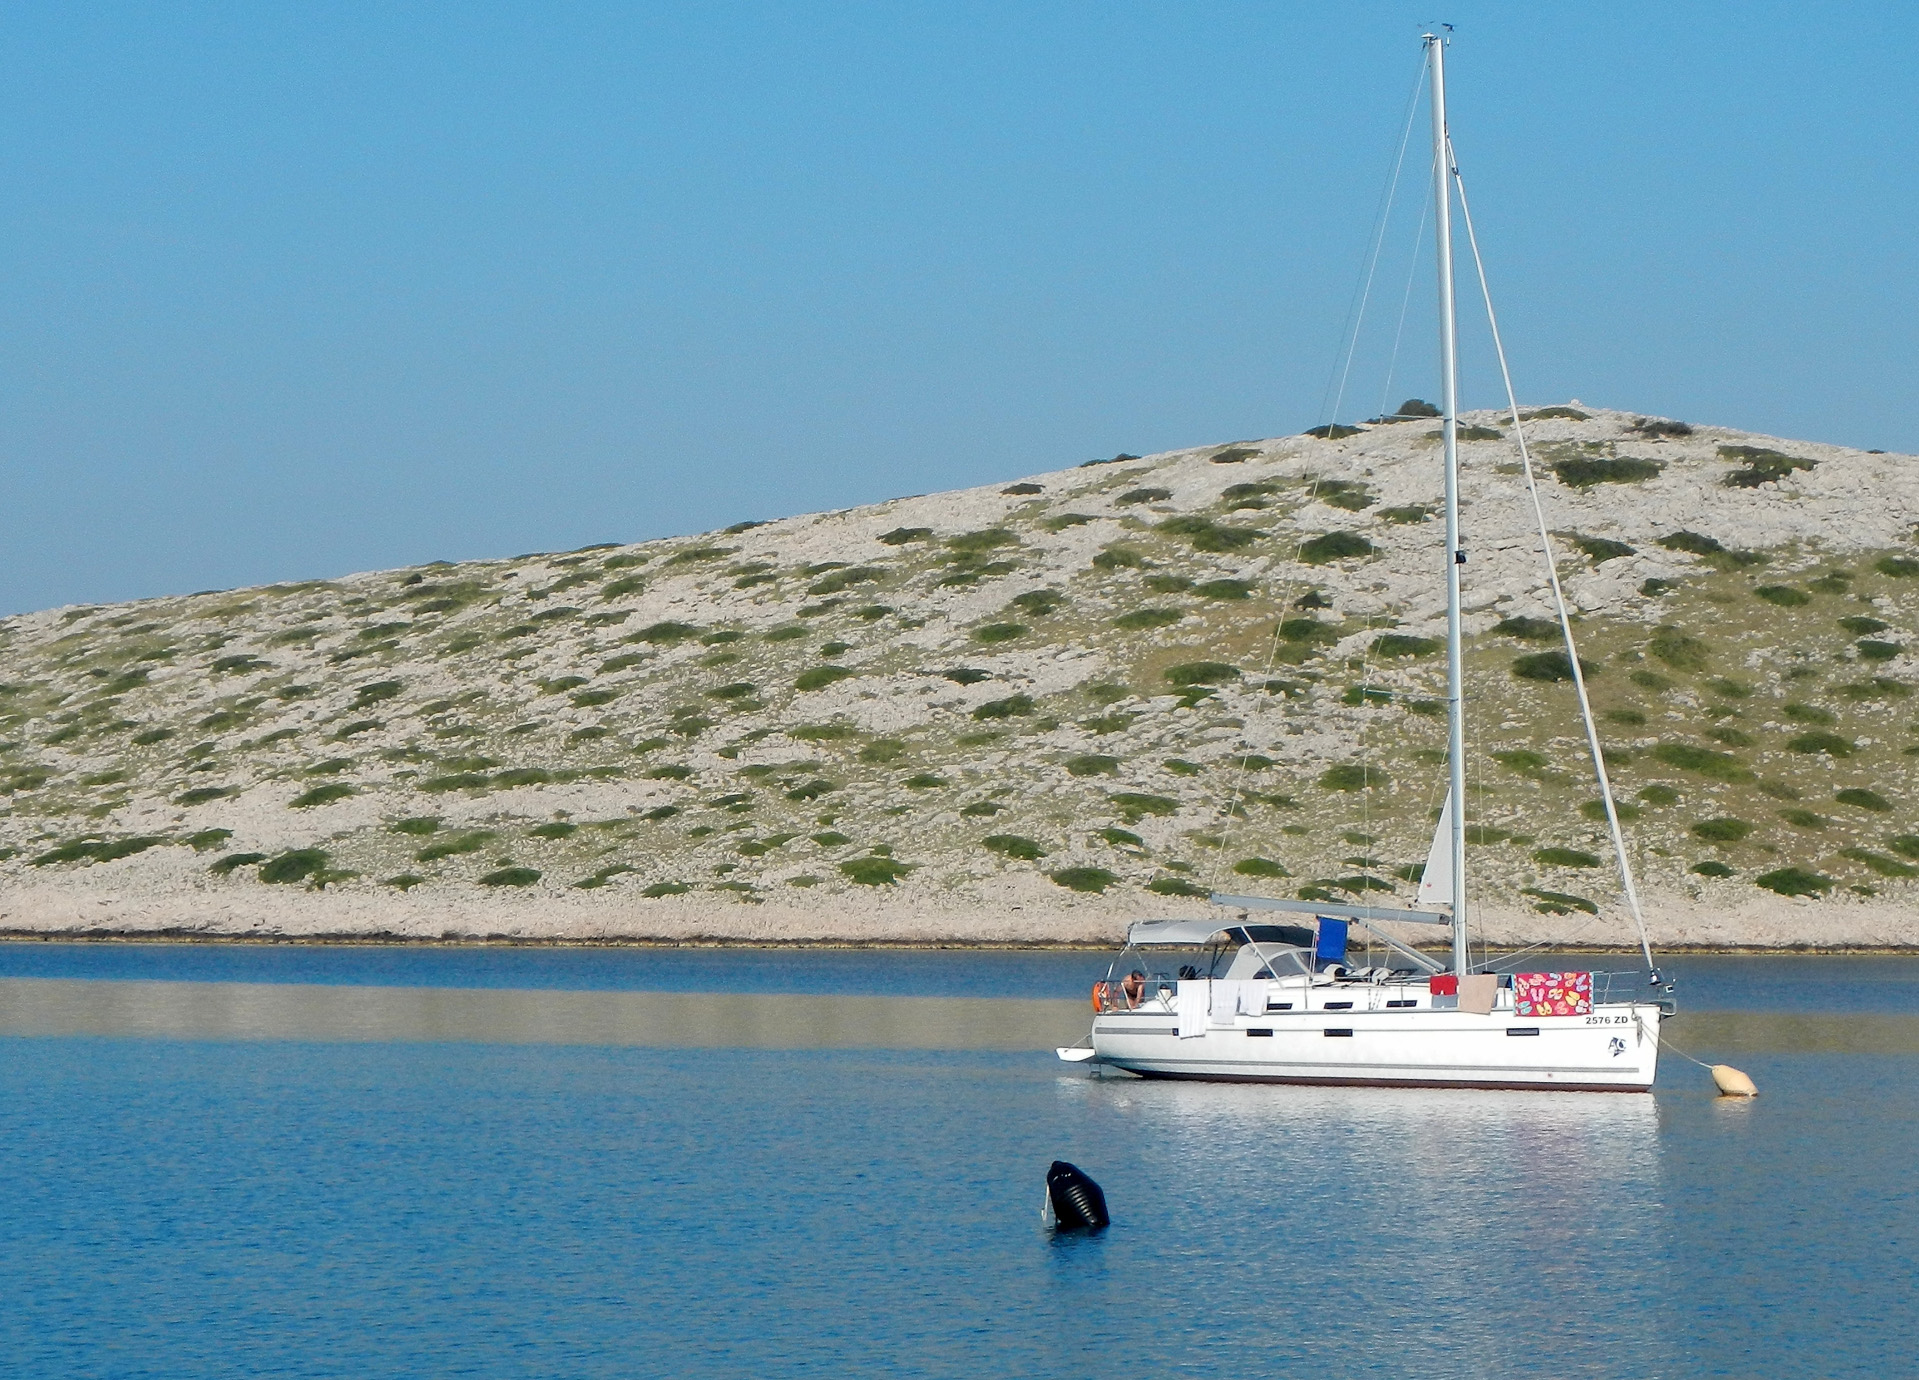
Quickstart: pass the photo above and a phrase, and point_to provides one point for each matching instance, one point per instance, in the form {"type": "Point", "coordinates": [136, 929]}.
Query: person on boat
{"type": "Point", "coordinates": [1134, 986]}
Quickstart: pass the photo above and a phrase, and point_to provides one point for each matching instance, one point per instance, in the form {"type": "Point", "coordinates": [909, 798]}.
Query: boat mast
{"type": "Point", "coordinates": [1449, 435]}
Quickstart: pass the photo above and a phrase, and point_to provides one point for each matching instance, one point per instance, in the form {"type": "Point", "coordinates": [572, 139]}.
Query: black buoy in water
{"type": "Point", "coordinates": [1076, 1201]}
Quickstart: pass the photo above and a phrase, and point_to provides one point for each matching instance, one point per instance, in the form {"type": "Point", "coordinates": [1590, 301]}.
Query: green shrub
{"type": "Point", "coordinates": [1692, 543]}
{"type": "Point", "coordinates": [883, 750]}
{"type": "Point", "coordinates": [454, 781]}
{"type": "Point", "coordinates": [923, 781]}
{"type": "Point", "coordinates": [297, 865]}
{"type": "Point", "coordinates": [812, 790]}
{"type": "Point", "coordinates": [1092, 764]}
{"type": "Point", "coordinates": [1168, 584]}
{"type": "Point", "coordinates": [1809, 714]}
{"type": "Point", "coordinates": [1192, 673]}
{"type": "Point", "coordinates": [222, 866]}
{"type": "Point", "coordinates": [819, 677]}
{"type": "Point", "coordinates": [1550, 667]}
{"type": "Point", "coordinates": [418, 827]}
{"type": "Point", "coordinates": [1879, 687]}
{"type": "Point", "coordinates": [1119, 557]}
{"type": "Point", "coordinates": [1059, 522]}
{"type": "Point", "coordinates": [899, 536]}
{"type": "Point", "coordinates": [1013, 846]}
{"type": "Point", "coordinates": [1804, 819]}
{"type": "Point", "coordinates": [1010, 707]}
{"type": "Point", "coordinates": [470, 841]}
{"type": "Point", "coordinates": [1522, 760]}
{"type": "Point", "coordinates": [1785, 596]}
{"type": "Point", "coordinates": [1652, 589]}
{"type": "Point", "coordinates": [1529, 629]}
{"type": "Point", "coordinates": [1038, 602]}
{"type": "Point", "coordinates": [1658, 793]}
{"type": "Point", "coordinates": [1175, 886]}
{"type": "Point", "coordinates": [1832, 744]}
{"type": "Point", "coordinates": [1091, 879]}
{"type": "Point", "coordinates": [1759, 466]}
{"type": "Point", "coordinates": [1407, 515]}
{"type": "Point", "coordinates": [510, 876]}
{"type": "Point", "coordinates": [1564, 857]}
{"type": "Point", "coordinates": [1404, 644]}
{"type": "Point", "coordinates": [1225, 589]}
{"type": "Point", "coordinates": [1570, 414]}
{"type": "Point", "coordinates": [985, 540]}
{"type": "Point", "coordinates": [1677, 650]}
{"type": "Point", "coordinates": [1870, 650]}
{"type": "Point", "coordinates": [1794, 881]}
{"type": "Point", "coordinates": [207, 839]}
{"type": "Point", "coordinates": [835, 732]}
{"type": "Point", "coordinates": [1233, 455]}
{"type": "Point", "coordinates": [1595, 810]}
{"type": "Point", "coordinates": [1719, 766]}
{"type": "Point", "coordinates": [993, 633]}
{"type": "Point", "coordinates": [1153, 495]}
{"type": "Point", "coordinates": [357, 727]}
{"type": "Point", "coordinates": [1879, 863]}
{"type": "Point", "coordinates": [1207, 535]}
{"type": "Point", "coordinates": [1140, 619]}
{"type": "Point", "coordinates": [226, 665]}
{"type": "Point", "coordinates": [1582, 472]}
{"type": "Point", "coordinates": [151, 736]}
{"type": "Point", "coordinates": [664, 634]}
{"type": "Point", "coordinates": [1905, 845]}
{"type": "Point", "coordinates": [1601, 549]}
{"type": "Point", "coordinates": [1711, 868]}
{"type": "Point", "coordinates": [1861, 799]}
{"type": "Point", "coordinates": [200, 795]}
{"type": "Point", "coordinates": [1899, 566]}
{"type": "Point", "coordinates": [375, 692]}
{"type": "Point", "coordinates": [322, 795]}
{"type": "Point", "coordinates": [523, 776]}
{"type": "Point", "coordinates": [1335, 546]}
{"type": "Point", "coordinates": [1628, 718]}
{"type": "Point", "coordinates": [1352, 776]}
{"type": "Point", "coordinates": [1120, 838]}
{"type": "Point", "coordinates": [1136, 805]}
{"type": "Point", "coordinates": [1260, 867]}
{"type": "Point", "coordinates": [1559, 902]}
{"type": "Point", "coordinates": [1724, 830]}
{"type": "Point", "coordinates": [874, 871]}
{"type": "Point", "coordinates": [1307, 631]}
{"type": "Point", "coordinates": [1332, 431]}
{"type": "Point", "coordinates": [659, 889]}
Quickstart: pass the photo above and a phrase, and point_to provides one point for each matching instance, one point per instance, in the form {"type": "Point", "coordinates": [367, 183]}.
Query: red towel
{"type": "Point", "coordinates": [1443, 984]}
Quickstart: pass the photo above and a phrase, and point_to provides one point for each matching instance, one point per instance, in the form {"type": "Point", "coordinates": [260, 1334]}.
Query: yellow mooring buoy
{"type": "Point", "coordinates": [1731, 1082]}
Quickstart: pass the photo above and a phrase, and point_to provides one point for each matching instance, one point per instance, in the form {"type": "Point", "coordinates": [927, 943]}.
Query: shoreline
{"type": "Point", "coordinates": [931, 945]}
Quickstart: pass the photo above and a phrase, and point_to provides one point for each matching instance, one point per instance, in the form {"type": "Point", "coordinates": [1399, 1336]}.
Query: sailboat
{"type": "Point", "coordinates": [1279, 999]}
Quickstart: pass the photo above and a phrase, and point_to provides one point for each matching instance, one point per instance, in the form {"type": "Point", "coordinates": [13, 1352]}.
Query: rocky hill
{"type": "Point", "coordinates": [1029, 711]}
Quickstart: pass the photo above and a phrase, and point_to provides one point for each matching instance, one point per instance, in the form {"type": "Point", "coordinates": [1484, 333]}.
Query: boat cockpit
{"type": "Point", "coordinates": [1159, 954]}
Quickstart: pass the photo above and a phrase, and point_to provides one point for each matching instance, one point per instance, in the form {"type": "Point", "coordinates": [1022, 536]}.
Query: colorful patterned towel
{"type": "Point", "coordinates": [1552, 994]}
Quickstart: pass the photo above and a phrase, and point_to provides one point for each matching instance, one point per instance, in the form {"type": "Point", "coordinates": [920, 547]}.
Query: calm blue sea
{"type": "Point", "coordinates": [422, 1207]}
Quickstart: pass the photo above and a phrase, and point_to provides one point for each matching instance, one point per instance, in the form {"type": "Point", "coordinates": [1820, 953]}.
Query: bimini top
{"type": "Point", "coordinates": [1193, 934]}
{"type": "Point", "coordinates": [1190, 934]}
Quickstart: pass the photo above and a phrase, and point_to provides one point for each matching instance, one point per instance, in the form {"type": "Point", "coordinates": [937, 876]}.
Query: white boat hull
{"type": "Point", "coordinates": [1614, 1049]}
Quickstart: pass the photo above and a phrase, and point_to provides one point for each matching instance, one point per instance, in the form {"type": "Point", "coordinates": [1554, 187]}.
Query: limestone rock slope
{"type": "Point", "coordinates": [1029, 711]}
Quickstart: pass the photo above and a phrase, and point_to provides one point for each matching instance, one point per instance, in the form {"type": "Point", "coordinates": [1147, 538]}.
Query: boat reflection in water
{"type": "Point", "coordinates": [1519, 1218]}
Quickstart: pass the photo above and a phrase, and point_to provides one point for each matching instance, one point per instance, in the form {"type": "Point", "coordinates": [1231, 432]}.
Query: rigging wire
{"type": "Point", "coordinates": [1356, 313]}
{"type": "Point", "coordinates": [1232, 808]}
{"type": "Point", "coordinates": [1405, 301]}
{"type": "Point", "coordinates": [1552, 575]}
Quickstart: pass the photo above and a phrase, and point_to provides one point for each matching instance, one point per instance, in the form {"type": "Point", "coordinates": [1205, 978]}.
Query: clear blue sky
{"type": "Point", "coordinates": [294, 290]}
